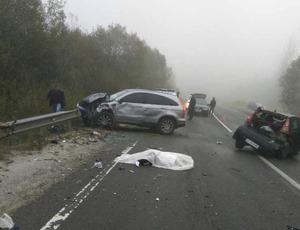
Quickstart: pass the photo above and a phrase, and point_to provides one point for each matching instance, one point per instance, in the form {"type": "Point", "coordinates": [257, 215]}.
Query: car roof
{"type": "Point", "coordinates": [164, 93]}
{"type": "Point", "coordinates": [280, 113]}
{"type": "Point", "coordinates": [199, 95]}
{"type": "Point", "coordinates": [168, 91]}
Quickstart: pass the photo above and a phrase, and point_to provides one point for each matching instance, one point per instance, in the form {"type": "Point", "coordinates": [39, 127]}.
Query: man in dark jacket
{"type": "Point", "coordinates": [191, 107]}
{"type": "Point", "coordinates": [56, 99]}
{"type": "Point", "coordinates": [212, 104]}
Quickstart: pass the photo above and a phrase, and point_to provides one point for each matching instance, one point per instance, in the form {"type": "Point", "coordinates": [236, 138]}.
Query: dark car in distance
{"type": "Point", "coordinates": [270, 132]}
{"type": "Point", "coordinates": [201, 106]}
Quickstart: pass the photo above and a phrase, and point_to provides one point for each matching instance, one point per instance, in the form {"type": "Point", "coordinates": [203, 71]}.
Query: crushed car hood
{"type": "Point", "coordinates": [96, 96]}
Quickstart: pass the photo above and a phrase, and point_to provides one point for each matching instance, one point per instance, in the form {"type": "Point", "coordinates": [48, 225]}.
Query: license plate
{"type": "Point", "coordinates": [254, 145]}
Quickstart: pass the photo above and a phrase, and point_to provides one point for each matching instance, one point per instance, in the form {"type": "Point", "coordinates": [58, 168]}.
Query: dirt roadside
{"type": "Point", "coordinates": [24, 176]}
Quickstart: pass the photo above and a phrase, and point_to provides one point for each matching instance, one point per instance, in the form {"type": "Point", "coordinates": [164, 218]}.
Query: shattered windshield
{"type": "Point", "coordinates": [117, 95]}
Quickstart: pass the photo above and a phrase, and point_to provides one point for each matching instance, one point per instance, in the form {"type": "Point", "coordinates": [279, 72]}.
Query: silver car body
{"type": "Point", "coordinates": [144, 107]}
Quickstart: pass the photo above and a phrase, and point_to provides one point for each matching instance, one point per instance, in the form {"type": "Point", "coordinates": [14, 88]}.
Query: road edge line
{"type": "Point", "coordinates": [285, 176]}
{"type": "Point", "coordinates": [66, 211]}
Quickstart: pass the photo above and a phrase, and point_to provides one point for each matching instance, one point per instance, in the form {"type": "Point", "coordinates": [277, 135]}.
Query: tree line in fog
{"type": "Point", "coordinates": [39, 49]}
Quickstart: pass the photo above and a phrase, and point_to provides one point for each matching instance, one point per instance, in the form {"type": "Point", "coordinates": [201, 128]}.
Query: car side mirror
{"type": "Point", "coordinates": [120, 101]}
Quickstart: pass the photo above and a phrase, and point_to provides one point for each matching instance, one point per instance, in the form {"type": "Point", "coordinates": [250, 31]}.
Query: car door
{"type": "Point", "coordinates": [157, 106]}
{"type": "Point", "coordinates": [129, 108]}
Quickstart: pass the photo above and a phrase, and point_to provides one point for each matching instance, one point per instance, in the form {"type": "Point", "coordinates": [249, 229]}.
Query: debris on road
{"type": "Point", "coordinates": [160, 159]}
{"type": "Point", "coordinates": [98, 164]}
{"type": "Point", "coordinates": [56, 129]}
{"type": "Point", "coordinates": [288, 227]}
{"type": "Point", "coordinates": [159, 175]}
{"type": "Point", "coordinates": [96, 133]}
{"type": "Point", "coordinates": [219, 142]}
{"type": "Point", "coordinates": [54, 142]}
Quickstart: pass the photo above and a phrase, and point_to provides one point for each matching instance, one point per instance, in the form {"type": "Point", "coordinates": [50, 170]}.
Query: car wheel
{"type": "Point", "coordinates": [105, 120]}
{"type": "Point", "coordinates": [239, 144]}
{"type": "Point", "coordinates": [284, 151]}
{"type": "Point", "coordinates": [166, 125]}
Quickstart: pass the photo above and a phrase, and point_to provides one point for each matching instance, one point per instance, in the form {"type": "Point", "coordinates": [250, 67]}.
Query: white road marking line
{"type": "Point", "coordinates": [285, 176]}
{"type": "Point", "coordinates": [292, 182]}
{"type": "Point", "coordinates": [66, 211]}
{"type": "Point", "coordinates": [229, 130]}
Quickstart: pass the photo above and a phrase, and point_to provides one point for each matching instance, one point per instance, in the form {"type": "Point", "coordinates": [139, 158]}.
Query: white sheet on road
{"type": "Point", "coordinates": [160, 159]}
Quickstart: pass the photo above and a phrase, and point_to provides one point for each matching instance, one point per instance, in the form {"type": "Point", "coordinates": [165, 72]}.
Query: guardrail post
{"type": "Point", "coordinates": [42, 131]}
{"type": "Point", "coordinates": [69, 124]}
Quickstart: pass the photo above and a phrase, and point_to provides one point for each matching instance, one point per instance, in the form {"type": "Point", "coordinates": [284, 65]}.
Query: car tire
{"type": "Point", "coordinates": [284, 151]}
{"type": "Point", "coordinates": [166, 125]}
{"type": "Point", "coordinates": [105, 120]}
{"type": "Point", "coordinates": [239, 144]}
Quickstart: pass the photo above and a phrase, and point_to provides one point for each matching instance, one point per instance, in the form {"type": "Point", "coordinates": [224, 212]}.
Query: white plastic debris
{"type": "Point", "coordinates": [96, 133]}
{"type": "Point", "coordinates": [98, 165]}
{"type": "Point", "coordinates": [252, 105]}
{"type": "Point", "coordinates": [160, 159]}
{"type": "Point", "coordinates": [6, 221]}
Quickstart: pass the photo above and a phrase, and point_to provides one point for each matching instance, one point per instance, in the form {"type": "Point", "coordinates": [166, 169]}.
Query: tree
{"type": "Point", "coordinates": [37, 49]}
{"type": "Point", "coordinates": [21, 54]}
{"type": "Point", "coordinates": [290, 83]}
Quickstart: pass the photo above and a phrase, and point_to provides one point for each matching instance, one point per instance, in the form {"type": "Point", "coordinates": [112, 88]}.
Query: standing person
{"type": "Point", "coordinates": [191, 107]}
{"type": "Point", "coordinates": [56, 99]}
{"type": "Point", "coordinates": [212, 104]}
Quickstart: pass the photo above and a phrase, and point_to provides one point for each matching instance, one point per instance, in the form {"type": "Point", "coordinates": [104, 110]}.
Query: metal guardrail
{"type": "Point", "coordinates": [22, 125]}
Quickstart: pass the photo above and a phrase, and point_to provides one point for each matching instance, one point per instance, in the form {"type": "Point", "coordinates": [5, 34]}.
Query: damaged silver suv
{"type": "Point", "coordinates": [141, 107]}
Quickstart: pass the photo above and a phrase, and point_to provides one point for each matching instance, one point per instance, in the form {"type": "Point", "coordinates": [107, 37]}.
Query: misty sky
{"type": "Point", "coordinates": [213, 46]}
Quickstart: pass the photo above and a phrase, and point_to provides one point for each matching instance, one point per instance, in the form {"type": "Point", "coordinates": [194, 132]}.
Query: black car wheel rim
{"type": "Point", "coordinates": [105, 120]}
{"type": "Point", "coordinates": [167, 126]}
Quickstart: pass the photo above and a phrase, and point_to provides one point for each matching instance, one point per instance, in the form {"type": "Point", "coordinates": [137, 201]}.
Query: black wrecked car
{"type": "Point", "coordinates": [270, 132]}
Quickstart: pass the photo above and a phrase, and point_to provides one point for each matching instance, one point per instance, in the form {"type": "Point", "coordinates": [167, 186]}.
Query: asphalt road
{"type": "Point", "coordinates": [226, 189]}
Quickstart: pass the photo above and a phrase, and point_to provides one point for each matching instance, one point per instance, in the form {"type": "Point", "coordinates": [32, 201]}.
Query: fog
{"type": "Point", "coordinates": [230, 49]}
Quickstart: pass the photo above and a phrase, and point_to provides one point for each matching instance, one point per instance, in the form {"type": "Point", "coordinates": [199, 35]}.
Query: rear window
{"type": "Point", "coordinates": [276, 120]}
{"type": "Point", "coordinates": [159, 100]}
{"type": "Point", "coordinates": [271, 117]}
{"type": "Point", "coordinates": [201, 101]}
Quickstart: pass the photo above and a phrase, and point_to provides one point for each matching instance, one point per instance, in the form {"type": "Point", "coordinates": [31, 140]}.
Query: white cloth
{"type": "Point", "coordinates": [6, 221]}
{"type": "Point", "coordinates": [160, 159]}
